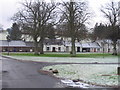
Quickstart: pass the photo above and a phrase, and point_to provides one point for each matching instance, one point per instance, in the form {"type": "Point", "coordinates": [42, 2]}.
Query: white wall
{"type": "Point", "coordinates": [62, 48]}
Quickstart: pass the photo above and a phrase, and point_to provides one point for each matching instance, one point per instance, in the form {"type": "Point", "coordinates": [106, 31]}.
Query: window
{"type": "Point", "coordinates": [78, 49]}
{"type": "Point", "coordinates": [53, 49]}
{"type": "Point", "coordinates": [67, 48]}
{"type": "Point", "coordinates": [59, 48]}
{"type": "Point", "coordinates": [48, 48]}
{"type": "Point", "coordinates": [98, 49]}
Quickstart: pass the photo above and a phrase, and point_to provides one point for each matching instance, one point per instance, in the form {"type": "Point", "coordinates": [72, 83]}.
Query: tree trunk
{"type": "Point", "coordinates": [72, 29]}
{"type": "Point", "coordinates": [73, 51]}
{"type": "Point", "coordinates": [114, 48]}
{"type": "Point", "coordinates": [118, 70]}
{"type": "Point", "coordinates": [41, 46]}
{"type": "Point", "coordinates": [36, 52]}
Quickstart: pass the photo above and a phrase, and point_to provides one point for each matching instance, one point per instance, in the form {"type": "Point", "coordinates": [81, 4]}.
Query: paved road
{"type": "Point", "coordinates": [0, 73]}
{"type": "Point", "coordinates": [18, 74]}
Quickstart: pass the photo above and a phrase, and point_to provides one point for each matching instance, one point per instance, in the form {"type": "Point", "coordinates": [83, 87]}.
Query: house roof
{"type": "Point", "coordinates": [53, 42]}
{"type": "Point", "coordinates": [4, 43]}
{"type": "Point", "coordinates": [91, 45]}
{"type": "Point", "coordinates": [29, 44]}
{"type": "Point", "coordinates": [84, 45]}
{"type": "Point", "coordinates": [76, 44]}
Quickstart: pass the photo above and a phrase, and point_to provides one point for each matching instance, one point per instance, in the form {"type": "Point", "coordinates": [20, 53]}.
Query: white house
{"type": "Point", "coordinates": [54, 45]}
{"type": "Point", "coordinates": [107, 45]}
{"type": "Point", "coordinates": [83, 47]}
{"type": "Point", "coordinates": [58, 45]}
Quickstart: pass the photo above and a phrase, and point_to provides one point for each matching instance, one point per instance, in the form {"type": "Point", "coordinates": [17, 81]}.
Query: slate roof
{"type": "Point", "coordinates": [53, 42]}
{"type": "Point", "coordinates": [76, 44]}
{"type": "Point", "coordinates": [29, 44]}
{"type": "Point", "coordinates": [19, 43]}
{"type": "Point", "coordinates": [84, 45]}
{"type": "Point", "coordinates": [91, 45]}
{"type": "Point", "coordinates": [4, 43]}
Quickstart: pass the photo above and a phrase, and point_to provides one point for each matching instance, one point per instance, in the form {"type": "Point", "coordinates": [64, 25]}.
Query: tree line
{"type": "Point", "coordinates": [41, 20]}
{"type": "Point", "coordinates": [111, 30]}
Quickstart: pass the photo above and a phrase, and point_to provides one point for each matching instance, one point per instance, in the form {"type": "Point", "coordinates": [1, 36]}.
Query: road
{"type": "Point", "coordinates": [19, 74]}
{"type": "Point", "coordinates": [0, 73]}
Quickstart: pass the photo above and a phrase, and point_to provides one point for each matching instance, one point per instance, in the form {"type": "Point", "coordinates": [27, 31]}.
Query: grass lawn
{"type": "Point", "coordinates": [92, 55]}
{"type": "Point", "coordinates": [105, 75]}
{"type": "Point", "coordinates": [94, 74]}
{"type": "Point", "coordinates": [65, 58]}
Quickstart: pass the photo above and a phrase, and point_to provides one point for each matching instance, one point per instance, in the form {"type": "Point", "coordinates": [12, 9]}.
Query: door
{"type": "Point", "coordinates": [53, 49]}
{"type": "Point", "coordinates": [78, 49]}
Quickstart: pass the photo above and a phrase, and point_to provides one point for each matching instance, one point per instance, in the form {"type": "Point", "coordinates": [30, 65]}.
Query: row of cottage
{"type": "Point", "coordinates": [56, 46]}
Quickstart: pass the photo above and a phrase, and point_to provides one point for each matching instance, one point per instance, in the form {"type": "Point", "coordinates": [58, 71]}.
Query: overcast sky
{"type": "Point", "coordinates": [9, 7]}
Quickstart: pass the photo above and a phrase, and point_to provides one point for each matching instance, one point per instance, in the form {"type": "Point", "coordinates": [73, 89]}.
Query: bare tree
{"type": "Point", "coordinates": [1, 27]}
{"type": "Point", "coordinates": [111, 12]}
{"type": "Point", "coordinates": [34, 18]}
{"type": "Point", "coordinates": [74, 17]}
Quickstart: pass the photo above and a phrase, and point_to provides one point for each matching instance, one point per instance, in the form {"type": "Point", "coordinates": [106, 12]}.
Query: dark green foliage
{"type": "Point", "coordinates": [50, 31]}
{"type": "Point", "coordinates": [99, 31]}
{"type": "Point", "coordinates": [14, 32]}
{"type": "Point", "coordinates": [9, 30]}
{"type": "Point", "coordinates": [106, 32]}
{"type": "Point", "coordinates": [112, 33]}
{"type": "Point", "coordinates": [111, 12]}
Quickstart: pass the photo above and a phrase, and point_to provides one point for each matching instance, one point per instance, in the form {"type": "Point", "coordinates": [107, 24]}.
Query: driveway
{"type": "Point", "coordinates": [20, 74]}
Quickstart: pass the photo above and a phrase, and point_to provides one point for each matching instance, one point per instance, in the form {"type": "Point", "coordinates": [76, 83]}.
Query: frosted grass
{"type": "Point", "coordinates": [88, 73]}
{"type": "Point", "coordinates": [94, 74]}
{"type": "Point", "coordinates": [67, 59]}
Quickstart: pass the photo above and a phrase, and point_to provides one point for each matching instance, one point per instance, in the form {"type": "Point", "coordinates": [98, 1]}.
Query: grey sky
{"type": "Point", "coordinates": [9, 7]}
